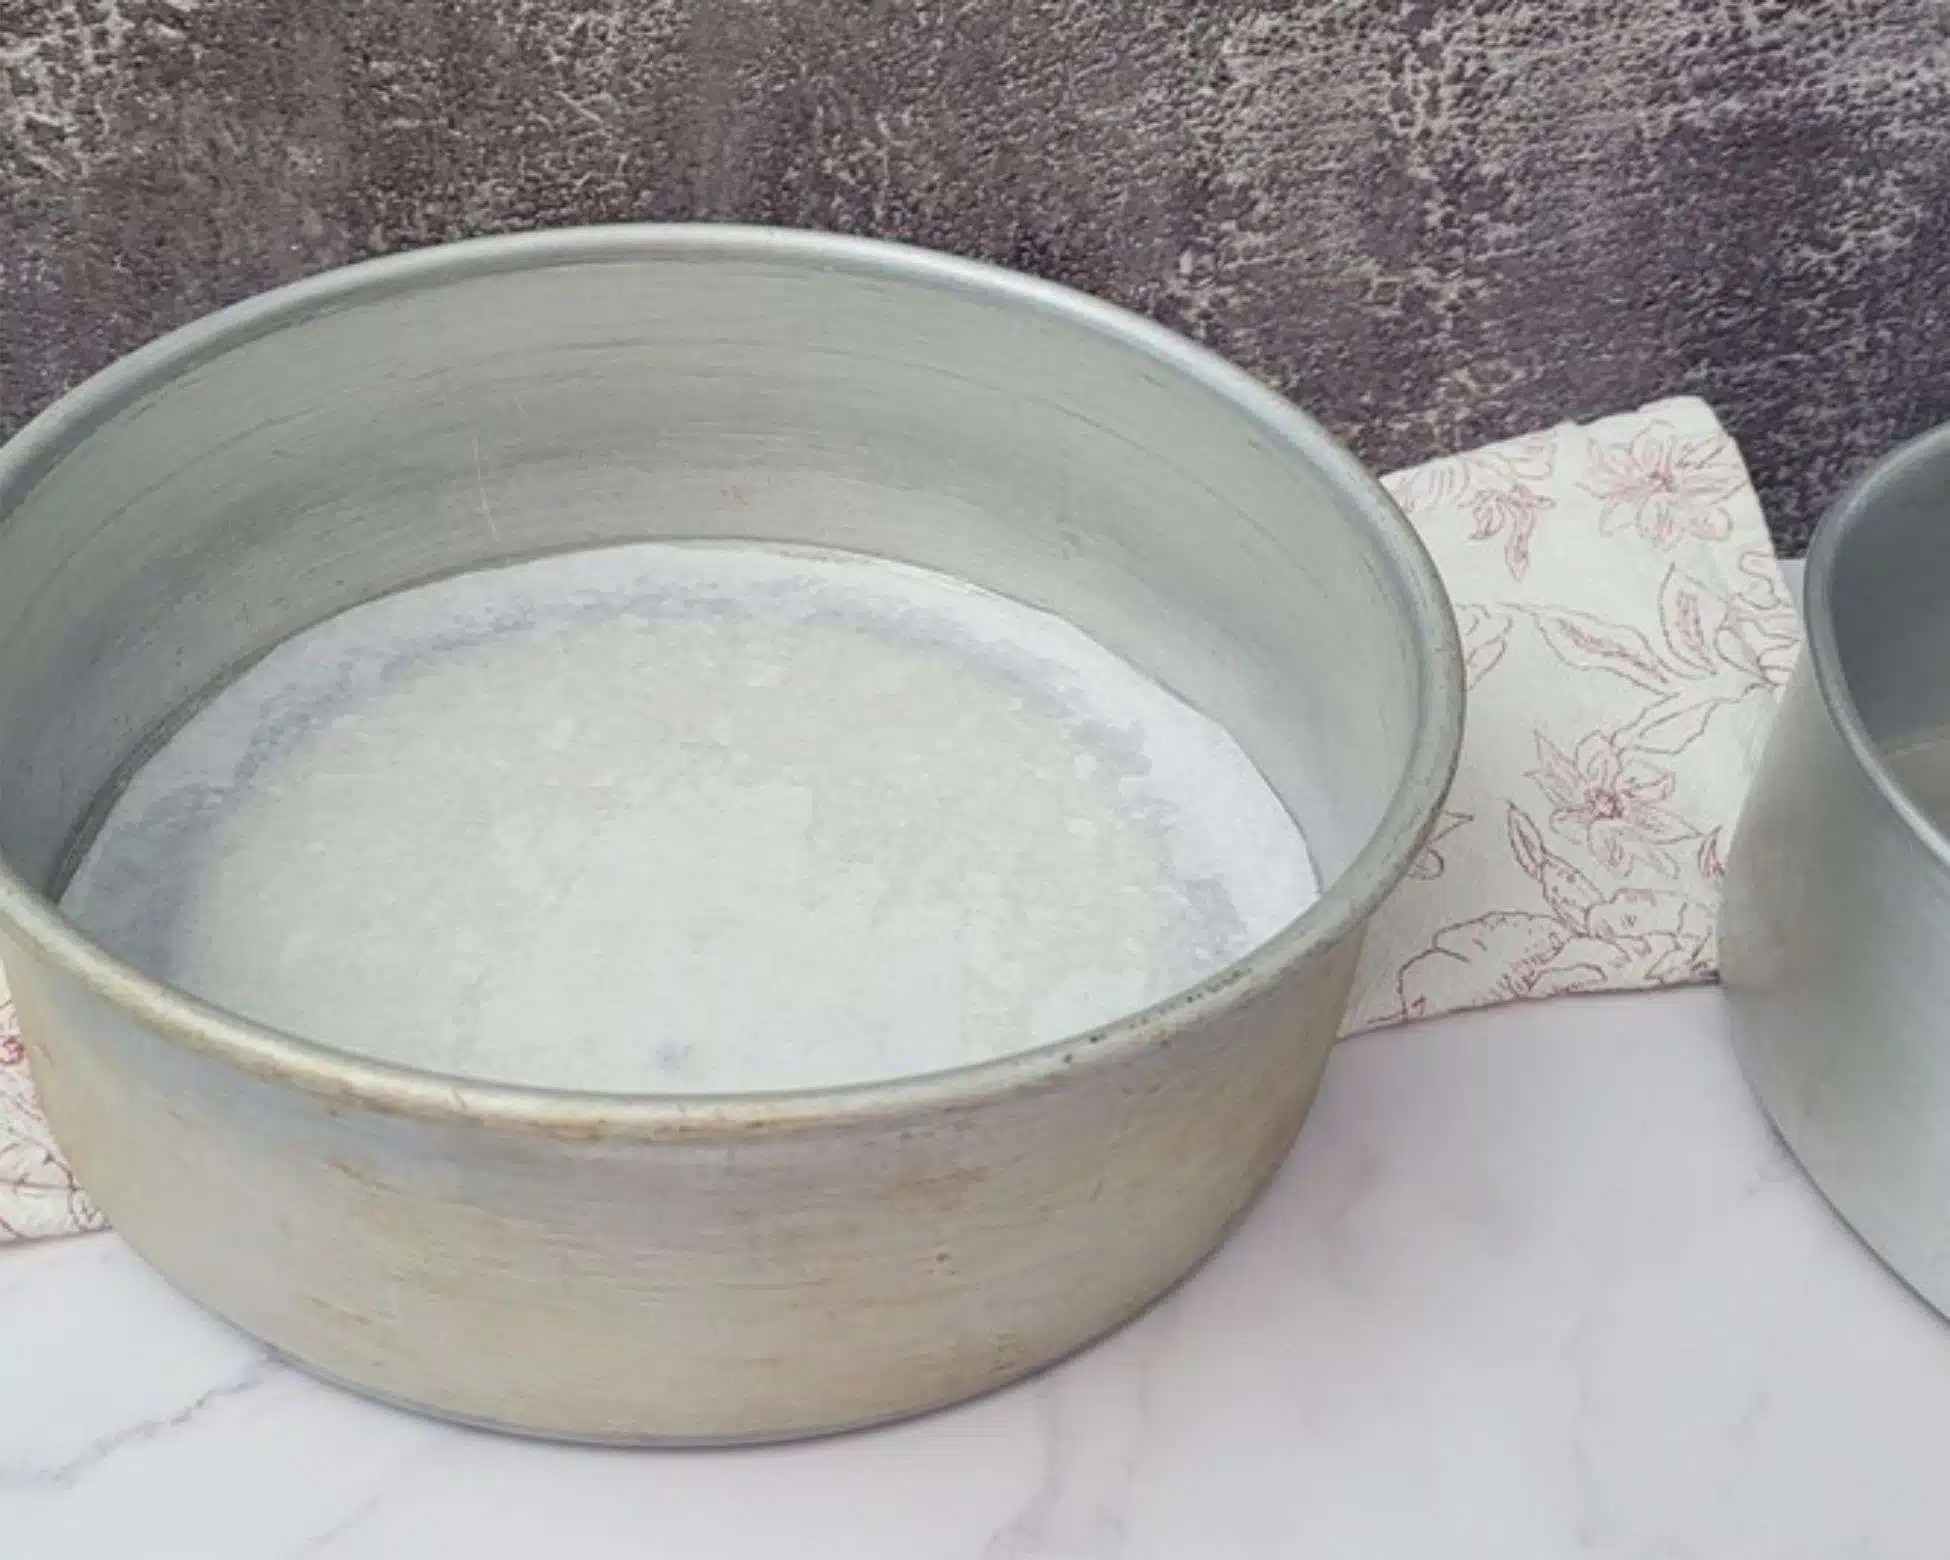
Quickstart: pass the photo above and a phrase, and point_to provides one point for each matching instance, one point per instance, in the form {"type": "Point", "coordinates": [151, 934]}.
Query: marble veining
{"type": "Point", "coordinates": [1538, 1281]}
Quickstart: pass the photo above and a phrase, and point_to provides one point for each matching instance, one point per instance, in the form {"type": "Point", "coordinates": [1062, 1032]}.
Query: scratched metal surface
{"type": "Point", "coordinates": [1432, 223]}
{"type": "Point", "coordinates": [525, 1257]}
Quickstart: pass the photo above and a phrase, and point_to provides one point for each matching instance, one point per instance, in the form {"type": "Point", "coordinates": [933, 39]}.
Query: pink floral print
{"type": "Point", "coordinates": [1429, 864]}
{"type": "Point", "coordinates": [1485, 636]}
{"type": "Point", "coordinates": [38, 1194]}
{"type": "Point", "coordinates": [1497, 488]}
{"type": "Point", "coordinates": [1611, 801]}
{"type": "Point", "coordinates": [1578, 938]}
{"type": "Point", "coordinates": [1622, 663]}
{"type": "Point", "coordinates": [1665, 486]}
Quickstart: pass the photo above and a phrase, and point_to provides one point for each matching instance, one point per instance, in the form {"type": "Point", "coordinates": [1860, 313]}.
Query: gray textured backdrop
{"type": "Point", "coordinates": [1430, 223]}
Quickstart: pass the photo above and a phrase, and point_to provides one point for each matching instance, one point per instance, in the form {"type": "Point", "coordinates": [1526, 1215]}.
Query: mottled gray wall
{"type": "Point", "coordinates": [1431, 223]}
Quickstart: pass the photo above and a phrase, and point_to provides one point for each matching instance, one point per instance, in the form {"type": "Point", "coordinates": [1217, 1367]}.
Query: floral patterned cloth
{"type": "Point", "coordinates": [38, 1195]}
{"type": "Point", "coordinates": [1626, 631]}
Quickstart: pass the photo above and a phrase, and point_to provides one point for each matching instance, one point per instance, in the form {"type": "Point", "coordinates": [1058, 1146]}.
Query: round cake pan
{"type": "Point", "coordinates": [647, 1268]}
{"type": "Point", "coordinates": [1835, 934]}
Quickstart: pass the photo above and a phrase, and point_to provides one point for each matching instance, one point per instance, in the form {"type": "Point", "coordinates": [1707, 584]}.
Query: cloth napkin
{"type": "Point", "coordinates": [1626, 631]}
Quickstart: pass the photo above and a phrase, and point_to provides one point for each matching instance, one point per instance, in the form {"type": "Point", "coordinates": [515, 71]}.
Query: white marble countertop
{"type": "Point", "coordinates": [1536, 1282]}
